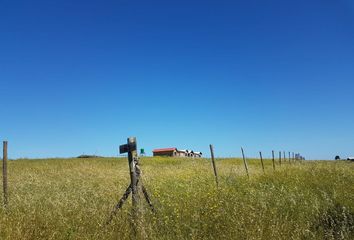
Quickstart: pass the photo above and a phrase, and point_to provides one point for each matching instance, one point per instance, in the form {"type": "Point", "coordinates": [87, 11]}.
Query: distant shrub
{"type": "Point", "coordinates": [88, 156]}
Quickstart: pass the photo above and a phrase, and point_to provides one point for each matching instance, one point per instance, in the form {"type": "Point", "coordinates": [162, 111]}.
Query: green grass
{"type": "Point", "coordinates": [72, 198]}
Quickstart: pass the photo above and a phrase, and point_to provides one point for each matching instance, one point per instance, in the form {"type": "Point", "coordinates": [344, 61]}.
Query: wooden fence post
{"type": "Point", "coordinates": [213, 164]}
{"type": "Point", "coordinates": [135, 186]}
{"type": "Point", "coordinates": [289, 158]}
{"type": "Point", "coordinates": [245, 163]}
{"type": "Point", "coordinates": [260, 154]}
{"type": "Point", "coordinates": [273, 160]}
{"type": "Point", "coordinates": [132, 158]}
{"type": "Point", "coordinates": [280, 158]}
{"type": "Point", "coordinates": [4, 173]}
{"type": "Point", "coordinates": [284, 157]}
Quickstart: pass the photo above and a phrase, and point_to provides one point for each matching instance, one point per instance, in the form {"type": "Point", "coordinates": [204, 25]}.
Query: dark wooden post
{"type": "Point", "coordinates": [135, 187]}
{"type": "Point", "coordinates": [273, 159]}
{"type": "Point", "coordinates": [213, 164]}
{"type": "Point", "coordinates": [284, 157]}
{"type": "Point", "coordinates": [132, 160]}
{"type": "Point", "coordinates": [289, 158]}
{"type": "Point", "coordinates": [245, 163]}
{"type": "Point", "coordinates": [260, 155]}
{"type": "Point", "coordinates": [293, 157]}
{"type": "Point", "coordinates": [280, 158]}
{"type": "Point", "coordinates": [4, 172]}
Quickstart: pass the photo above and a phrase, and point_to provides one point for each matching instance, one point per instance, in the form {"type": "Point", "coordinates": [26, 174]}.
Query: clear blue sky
{"type": "Point", "coordinates": [81, 76]}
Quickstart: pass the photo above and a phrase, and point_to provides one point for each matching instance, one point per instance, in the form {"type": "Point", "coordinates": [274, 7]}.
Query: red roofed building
{"type": "Point", "coordinates": [171, 152]}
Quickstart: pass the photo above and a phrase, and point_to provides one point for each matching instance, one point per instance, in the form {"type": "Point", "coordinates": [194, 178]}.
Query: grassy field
{"type": "Point", "coordinates": [72, 199]}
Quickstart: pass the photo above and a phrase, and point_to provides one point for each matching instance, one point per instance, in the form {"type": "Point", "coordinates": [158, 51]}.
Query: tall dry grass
{"type": "Point", "coordinates": [72, 198]}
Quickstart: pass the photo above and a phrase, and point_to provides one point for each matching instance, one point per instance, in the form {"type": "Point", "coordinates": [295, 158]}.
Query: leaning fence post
{"type": "Point", "coordinates": [213, 164]}
{"type": "Point", "coordinates": [273, 159]}
{"type": "Point", "coordinates": [260, 154]}
{"type": "Point", "coordinates": [4, 173]}
{"type": "Point", "coordinates": [245, 163]}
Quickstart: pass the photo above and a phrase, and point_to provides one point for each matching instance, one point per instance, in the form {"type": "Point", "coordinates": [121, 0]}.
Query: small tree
{"type": "Point", "coordinates": [337, 158]}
